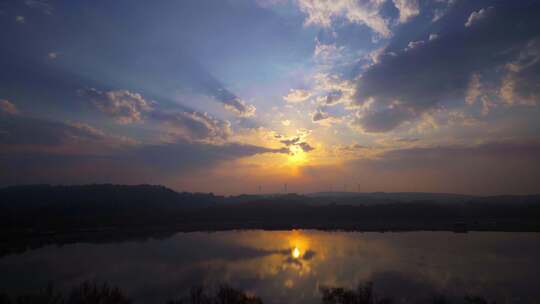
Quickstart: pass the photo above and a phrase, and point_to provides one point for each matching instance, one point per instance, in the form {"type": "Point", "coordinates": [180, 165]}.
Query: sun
{"type": "Point", "coordinates": [297, 156]}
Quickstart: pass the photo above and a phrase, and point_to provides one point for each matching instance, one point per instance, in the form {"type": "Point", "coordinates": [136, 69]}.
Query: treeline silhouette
{"type": "Point", "coordinates": [43, 209]}
{"type": "Point", "coordinates": [94, 293]}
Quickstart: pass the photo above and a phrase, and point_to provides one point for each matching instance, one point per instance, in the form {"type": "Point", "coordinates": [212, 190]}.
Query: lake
{"type": "Point", "coordinates": [290, 266]}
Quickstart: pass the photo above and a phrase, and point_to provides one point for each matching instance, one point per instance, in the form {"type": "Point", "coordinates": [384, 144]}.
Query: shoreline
{"type": "Point", "coordinates": [14, 242]}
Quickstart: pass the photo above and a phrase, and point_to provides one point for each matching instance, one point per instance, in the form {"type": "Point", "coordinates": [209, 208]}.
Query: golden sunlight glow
{"type": "Point", "coordinates": [295, 253]}
{"type": "Point", "coordinates": [297, 156]}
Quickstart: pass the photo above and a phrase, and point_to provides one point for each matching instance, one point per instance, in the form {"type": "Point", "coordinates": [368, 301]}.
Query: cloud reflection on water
{"type": "Point", "coordinates": [265, 263]}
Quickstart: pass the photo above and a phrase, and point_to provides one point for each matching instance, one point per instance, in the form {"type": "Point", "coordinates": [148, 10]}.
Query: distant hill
{"type": "Point", "coordinates": [61, 208]}
{"type": "Point", "coordinates": [89, 204]}
{"type": "Point", "coordinates": [382, 197]}
{"type": "Point", "coordinates": [102, 195]}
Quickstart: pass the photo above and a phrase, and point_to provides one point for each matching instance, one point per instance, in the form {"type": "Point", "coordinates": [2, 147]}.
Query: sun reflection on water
{"type": "Point", "coordinates": [295, 253]}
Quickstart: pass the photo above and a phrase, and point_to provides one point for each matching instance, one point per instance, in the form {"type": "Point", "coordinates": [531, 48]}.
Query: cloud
{"type": "Point", "coordinates": [331, 90]}
{"type": "Point", "coordinates": [352, 147]}
{"type": "Point", "coordinates": [330, 99]}
{"type": "Point", "coordinates": [488, 168]}
{"type": "Point", "coordinates": [158, 163]}
{"type": "Point", "coordinates": [383, 120]}
{"type": "Point", "coordinates": [230, 101]}
{"type": "Point", "coordinates": [440, 12]}
{"type": "Point", "coordinates": [407, 9]}
{"type": "Point", "coordinates": [291, 141]}
{"type": "Point", "coordinates": [20, 19]}
{"type": "Point", "coordinates": [474, 90]}
{"type": "Point", "coordinates": [305, 146]}
{"type": "Point", "coordinates": [52, 55]}
{"type": "Point", "coordinates": [7, 107]}
{"type": "Point", "coordinates": [171, 159]}
{"type": "Point", "coordinates": [297, 141]}
{"type": "Point", "coordinates": [475, 17]}
{"type": "Point", "coordinates": [32, 149]}
{"type": "Point", "coordinates": [403, 85]}
{"type": "Point", "coordinates": [297, 96]}
{"type": "Point", "coordinates": [124, 106]}
{"type": "Point", "coordinates": [322, 12]}
{"type": "Point", "coordinates": [429, 156]}
{"type": "Point", "coordinates": [128, 107]}
{"type": "Point", "coordinates": [42, 5]}
{"type": "Point", "coordinates": [414, 44]}
{"type": "Point", "coordinates": [194, 125]}
{"type": "Point", "coordinates": [328, 54]}
{"type": "Point", "coordinates": [520, 85]}
{"type": "Point", "coordinates": [24, 132]}
{"type": "Point", "coordinates": [320, 116]}
{"type": "Point", "coordinates": [239, 107]}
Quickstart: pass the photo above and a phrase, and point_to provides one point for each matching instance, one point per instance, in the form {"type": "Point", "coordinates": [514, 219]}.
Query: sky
{"type": "Point", "coordinates": [245, 96]}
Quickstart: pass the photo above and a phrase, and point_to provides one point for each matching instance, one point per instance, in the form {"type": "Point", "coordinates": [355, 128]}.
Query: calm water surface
{"type": "Point", "coordinates": [289, 266]}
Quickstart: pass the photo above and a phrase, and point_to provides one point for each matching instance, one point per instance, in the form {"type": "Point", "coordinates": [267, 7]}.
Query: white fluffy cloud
{"type": "Point", "coordinates": [477, 16]}
{"type": "Point", "coordinates": [124, 106]}
{"type": "Point", "coordinates": [407, 9]}
{"type": "Point", "coordinates": [367, 12]}
{"type": "Point", "coordinates": [333, 90]}
{"type": "Point", "coordinates": [194, 126]}
{"type": "Point", "coordinates": [296, 96]}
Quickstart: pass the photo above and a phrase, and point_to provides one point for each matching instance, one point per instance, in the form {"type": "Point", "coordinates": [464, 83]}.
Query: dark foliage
{"type": "Point", "coordinates": [224, 295]}
{"type": "Point", "coordinates": [93, 293]}
{"type": "Point", "coordinates": [362, 295]}
{"type": "Point", "coordinates": [86, 293]}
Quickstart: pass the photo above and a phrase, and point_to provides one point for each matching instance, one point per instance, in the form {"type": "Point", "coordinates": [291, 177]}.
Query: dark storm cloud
{"type": "Point", "coordinates": [385, 119]}
{"type": "Point", "coordinates": [407, 81]}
